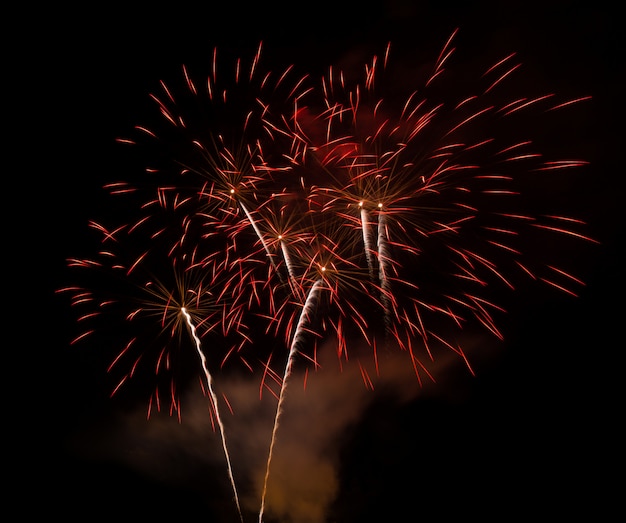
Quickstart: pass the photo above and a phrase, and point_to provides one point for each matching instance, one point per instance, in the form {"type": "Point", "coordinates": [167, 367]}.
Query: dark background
{"type": "Point", "coordinates": [535, 434]}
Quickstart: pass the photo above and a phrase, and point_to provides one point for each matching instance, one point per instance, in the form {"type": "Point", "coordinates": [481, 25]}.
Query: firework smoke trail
{"type": "Point", "coordinates": [366, 240]}
{"type": "Point", "coordinates": [383, 257]}
{"type": "Point", "coordinates": [306, 313]}
{"type": "Point", "coordinates": [261, 239]}
{"type": "Point", "coordinates": [287, 258]}
{"type": "Point", "coordinates": [295, 289]}
{"type": "Point", "coordinates": [209, 380]}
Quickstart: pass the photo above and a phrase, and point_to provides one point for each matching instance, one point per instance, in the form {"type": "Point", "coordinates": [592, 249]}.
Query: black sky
{"type": "Point", "coordinates": [534, 434]}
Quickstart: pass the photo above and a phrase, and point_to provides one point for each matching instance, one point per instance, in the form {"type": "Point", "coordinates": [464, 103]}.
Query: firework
{"type": "Point", "coordinates": [184, 305]}
{"type": "Point", "coordinates": [435, 188]}
{"type": "Point", "coordinates": [341, 211]}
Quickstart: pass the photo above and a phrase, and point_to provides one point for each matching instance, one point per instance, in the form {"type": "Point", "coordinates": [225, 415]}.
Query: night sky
{"type": "Point", "coordinates": [533, 434]}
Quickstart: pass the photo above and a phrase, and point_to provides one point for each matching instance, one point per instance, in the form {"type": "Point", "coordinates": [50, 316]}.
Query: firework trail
{"type": "Point", "coordinates": [367, 242]}
{"type": "Point", "coordinates": [307, 312]}
{"type": "Point", "coordinates": [261, 238]}
{"type": "Point", "coordinates": [287, 257]}
{"type": "Point", "coordinates": [383, 257]}
{"type": "Point", "coordinates": [209, 381]}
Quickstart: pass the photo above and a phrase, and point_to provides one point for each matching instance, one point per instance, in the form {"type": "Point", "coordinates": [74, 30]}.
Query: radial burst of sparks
{"type": "Point", "coordinates": [342, 210]}
{"type": "Point", "coordinates": [431, 183]}
{"type": "Point", "coordinates": [152, 308]}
